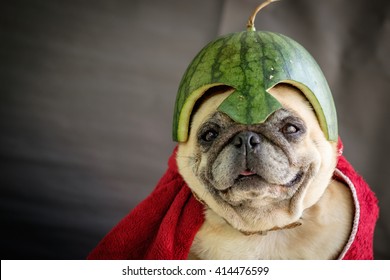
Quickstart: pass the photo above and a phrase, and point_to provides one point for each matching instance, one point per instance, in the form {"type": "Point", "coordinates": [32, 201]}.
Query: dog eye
{"type": "Point", "coordinates": [209, 135]}
{"type": "Point", "coordinates": [289, 129]}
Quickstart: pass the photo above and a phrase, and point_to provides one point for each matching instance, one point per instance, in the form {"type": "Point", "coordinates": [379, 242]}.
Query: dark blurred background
{"type": "Point", "coordinates": [87, 95]}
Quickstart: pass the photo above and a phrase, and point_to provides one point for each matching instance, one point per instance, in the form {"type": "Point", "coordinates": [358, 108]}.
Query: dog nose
{"type": "Point", "coordinates": [246, 139]}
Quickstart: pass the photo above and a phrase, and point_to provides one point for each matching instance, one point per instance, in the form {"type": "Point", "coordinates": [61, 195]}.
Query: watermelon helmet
{"type": "Point", "coordinates": [252, 62]}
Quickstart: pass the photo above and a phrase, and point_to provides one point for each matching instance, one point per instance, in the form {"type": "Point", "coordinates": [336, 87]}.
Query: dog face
{"type": "Point", "coordinates": [262, 176]}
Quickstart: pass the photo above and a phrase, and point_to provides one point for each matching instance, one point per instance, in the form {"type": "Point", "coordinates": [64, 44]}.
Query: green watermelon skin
{"type": "Point", "coordinates": [252, 62]}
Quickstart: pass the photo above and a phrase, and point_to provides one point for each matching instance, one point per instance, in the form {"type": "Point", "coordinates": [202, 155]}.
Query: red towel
{"type": "Point", "coordinates": [164, 225]}
{"type": "Point", "coordinates": [360, 244]}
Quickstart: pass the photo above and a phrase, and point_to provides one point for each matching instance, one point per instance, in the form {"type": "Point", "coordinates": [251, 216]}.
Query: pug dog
{"type": "Point", "coordinates": [267, 188]}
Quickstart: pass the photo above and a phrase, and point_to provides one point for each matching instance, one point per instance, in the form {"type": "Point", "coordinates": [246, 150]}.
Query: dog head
{"type": "Point", "coordinates": [262, 176]}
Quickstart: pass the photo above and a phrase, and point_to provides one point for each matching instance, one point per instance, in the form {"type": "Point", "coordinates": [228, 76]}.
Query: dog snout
{"type": "Point", "coordinates": [246, 141]}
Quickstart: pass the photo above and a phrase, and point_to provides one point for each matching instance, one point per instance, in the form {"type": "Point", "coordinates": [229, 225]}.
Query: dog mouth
{"type": "Point", "coordinates": [248, 175]}
{"type": "Point", "coordinates": [248, 180]}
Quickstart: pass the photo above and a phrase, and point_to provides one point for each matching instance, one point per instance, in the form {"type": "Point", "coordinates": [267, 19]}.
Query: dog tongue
{"type": "Point", "coordinates": [247, 173]}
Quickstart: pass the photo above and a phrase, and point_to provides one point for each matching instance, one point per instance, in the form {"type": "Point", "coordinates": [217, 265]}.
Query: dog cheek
{"type": "Point", "coordinates": [322, 167]}
{"type": "Point", "coordinates": [223, 169]}
{"type": "Point", "coordinates": [201, 168]}
{"type": "Point", "coordinates": [220, 175]}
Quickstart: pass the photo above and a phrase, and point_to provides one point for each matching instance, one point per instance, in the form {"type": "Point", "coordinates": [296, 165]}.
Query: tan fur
{"type": "Point", "coordinates": [324, 207]}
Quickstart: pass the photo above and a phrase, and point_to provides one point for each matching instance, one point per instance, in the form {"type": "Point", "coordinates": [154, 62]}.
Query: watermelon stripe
{"type": "Point", "coordinates": [215, 71]}
{"type": "Point", "coordinates": [258, 42]}
{"type": "Point", "coordinates": [184, 84]}
{"type": "Point", "coordinates": [244, 67]}
{"type": "Point", "coordinates": [279, 46]}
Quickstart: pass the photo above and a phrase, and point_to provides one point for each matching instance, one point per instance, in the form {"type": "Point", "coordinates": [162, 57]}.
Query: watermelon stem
{"type": "Point", "coordinates": [250, 26]}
